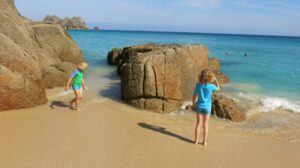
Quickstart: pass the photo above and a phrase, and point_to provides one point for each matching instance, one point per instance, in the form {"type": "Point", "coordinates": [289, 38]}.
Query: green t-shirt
{"type": "Point", "coordinates": [77, 77]}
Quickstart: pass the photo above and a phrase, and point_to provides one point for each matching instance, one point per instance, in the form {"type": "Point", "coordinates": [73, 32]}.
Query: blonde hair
{"type": "Point", "coordinates": [83, 65]}
{"type": "Point", "coordinates": [206, 76]}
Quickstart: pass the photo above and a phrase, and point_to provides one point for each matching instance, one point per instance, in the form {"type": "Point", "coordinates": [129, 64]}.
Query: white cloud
{"type": "Point", "coordinates": [201, 3]}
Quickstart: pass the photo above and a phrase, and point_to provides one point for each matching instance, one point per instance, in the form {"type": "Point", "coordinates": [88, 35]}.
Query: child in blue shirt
{"type": "Point", "coordinates": [202, 102]}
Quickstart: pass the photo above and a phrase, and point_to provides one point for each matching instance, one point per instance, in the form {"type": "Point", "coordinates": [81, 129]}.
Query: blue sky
{"type": "Point", "coordinates": [271, 17]}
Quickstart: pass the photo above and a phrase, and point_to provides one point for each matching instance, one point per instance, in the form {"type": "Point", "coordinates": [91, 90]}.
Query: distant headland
{"type": "Point", "coordinates": [75, 22]}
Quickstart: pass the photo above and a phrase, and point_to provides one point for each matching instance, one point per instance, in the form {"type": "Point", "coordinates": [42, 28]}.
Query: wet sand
{"type": "Point", "coordinates": [108, 133]}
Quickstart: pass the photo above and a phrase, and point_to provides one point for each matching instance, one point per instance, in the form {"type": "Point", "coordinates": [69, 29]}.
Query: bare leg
{"type": "Point", "coordinates": [205, 128]}
{"type": "Point", "coordinates": [197, 129]}
{"type": "Point", "coordinates": [72, 102]}
{"type": "Point", "coordinates": [75, 101]}
{"type": "Point", "coordinates": [78, 94]}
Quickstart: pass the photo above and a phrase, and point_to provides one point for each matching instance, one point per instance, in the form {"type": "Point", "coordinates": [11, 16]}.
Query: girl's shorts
{"type": "Point", "coordinates": [203, 110]}
{"type": "Point", "coordinates": [76, 87]}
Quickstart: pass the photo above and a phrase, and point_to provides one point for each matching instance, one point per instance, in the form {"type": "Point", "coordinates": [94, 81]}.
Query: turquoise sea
{"type": "Point", "coordinates": [263, 69]}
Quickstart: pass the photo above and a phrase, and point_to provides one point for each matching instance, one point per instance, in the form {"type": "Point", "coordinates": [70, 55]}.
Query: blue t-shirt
{"type": "Point", "coordinates": [204, 93]}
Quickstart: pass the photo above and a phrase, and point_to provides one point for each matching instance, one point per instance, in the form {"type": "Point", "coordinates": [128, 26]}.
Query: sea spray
{"type": "Point", "coordinates": [272, 103]}
{"type": "Point", "coordinates": [263, 103]}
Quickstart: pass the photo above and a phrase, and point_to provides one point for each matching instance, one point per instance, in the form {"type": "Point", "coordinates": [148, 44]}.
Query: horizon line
{"type": "Point", "coordinates": [187, 32]}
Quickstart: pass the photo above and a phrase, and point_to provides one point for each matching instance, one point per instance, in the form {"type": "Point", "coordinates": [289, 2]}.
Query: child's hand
{"type": "Point", "coordinates": [66, 88]}
{"type": "Point", "coordinates": [214, 78]}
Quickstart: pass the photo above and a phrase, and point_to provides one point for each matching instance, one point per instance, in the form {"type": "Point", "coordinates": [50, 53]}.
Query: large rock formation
{"type": "Point", "coordinates": [67, 23]}
{"type": "Point", "coordinates": [160, 77]}
{"type": "Point", "coordinates": [32, 56]}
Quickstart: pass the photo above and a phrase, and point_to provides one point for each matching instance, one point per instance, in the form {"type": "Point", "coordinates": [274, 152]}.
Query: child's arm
{"type": "Point", "coordinates": [68, 84]}
{"type": "Point", "coordinates": [83, 84]}
{"type": "Point", "coordinates": [195, 97]}
{"type": "Point", "coordinates": [218, 85]}
{"type": "Point", "coordinates": [70, 79]}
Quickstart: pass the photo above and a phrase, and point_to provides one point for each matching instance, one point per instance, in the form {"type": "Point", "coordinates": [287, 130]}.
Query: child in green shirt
{"type": "Point", "coordinates": [77, 83]}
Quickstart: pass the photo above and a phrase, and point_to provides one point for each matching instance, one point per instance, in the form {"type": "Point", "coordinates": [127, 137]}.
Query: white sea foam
{"type": "Point", "coordinates": [272, 103]}
{"type": "Point", "coordinates": [250, 97]}
{"type": "Point", "coordinates": [267, 103]}
{"type": "Point", "coordinates": [186, 103]}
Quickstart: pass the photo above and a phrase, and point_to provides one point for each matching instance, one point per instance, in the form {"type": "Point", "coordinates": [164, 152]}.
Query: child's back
{"type": "Point", "coordinates": [204, 92]}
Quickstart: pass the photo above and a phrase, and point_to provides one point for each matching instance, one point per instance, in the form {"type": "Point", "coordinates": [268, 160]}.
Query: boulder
{"type": "Point", "coordinates": [114, 56]}
{"type": "Point", "coordinates": [30, 54]}
{"type": "Point", "coordinates": [224, 107]}
{"type": "Point", "coordinates": [160, 77]}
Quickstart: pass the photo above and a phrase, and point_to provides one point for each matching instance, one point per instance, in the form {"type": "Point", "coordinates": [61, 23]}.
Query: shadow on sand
{"type": "Point", "coordinates": [112, 91]}
{"type": "Point", "coordinates": [59, 104]}
{"type": "Point", "coordinates": [164, 131]}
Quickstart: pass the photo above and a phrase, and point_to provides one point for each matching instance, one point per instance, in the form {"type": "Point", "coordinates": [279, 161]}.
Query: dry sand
{"type": "Point", "coordinates": [107, 133]}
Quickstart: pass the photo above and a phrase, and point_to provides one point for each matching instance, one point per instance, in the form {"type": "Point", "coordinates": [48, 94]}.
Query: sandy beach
{"type": "Point", "coordinates": [108, 133]}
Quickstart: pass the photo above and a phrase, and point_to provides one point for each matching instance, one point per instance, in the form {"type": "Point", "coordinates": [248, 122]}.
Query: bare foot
{"type": "Point", "coordinates": [74, 108]}
{"type": "Point", "coordinates": [71, 105]}
{"type": "Point", "coordinates": [204, 144]}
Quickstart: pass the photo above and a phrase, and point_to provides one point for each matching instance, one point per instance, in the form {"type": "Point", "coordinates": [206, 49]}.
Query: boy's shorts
{"type": "Point", "coordinates": [76, 87]}
{"type": "Point", "coordinates": [203, 110]}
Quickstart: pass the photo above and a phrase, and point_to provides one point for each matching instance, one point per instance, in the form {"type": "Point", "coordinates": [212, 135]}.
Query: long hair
{"type": "Point", "coordinates": [206, 76]}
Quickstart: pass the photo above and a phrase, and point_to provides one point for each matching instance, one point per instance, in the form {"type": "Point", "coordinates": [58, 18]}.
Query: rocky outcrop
{"type": "Point", "coordinates": [224, 107]}
{"type": "Point", "coordinates": [67, 23]}
{"type": "Point", "coordinates": [160, 77]}
{"type": "Point", "coordinates": [32, 56]}
{"type": "Point", "coordinates": [114, 56]}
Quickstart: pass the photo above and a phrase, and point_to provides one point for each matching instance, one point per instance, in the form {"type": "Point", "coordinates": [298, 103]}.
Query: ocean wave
{"type": "Point", "coordinates": [267, 103]}
{"type": "Point", "coordinates": [272, 103]}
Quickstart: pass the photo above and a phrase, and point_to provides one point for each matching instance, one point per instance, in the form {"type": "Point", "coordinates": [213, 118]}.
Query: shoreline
{"type": "Point", "coordinates": [109, 133]}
